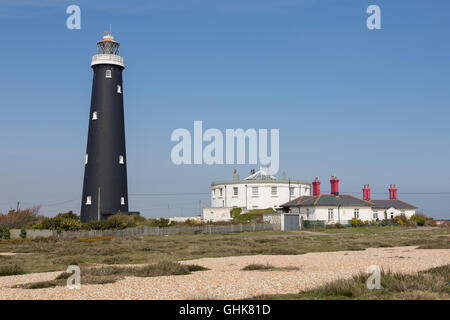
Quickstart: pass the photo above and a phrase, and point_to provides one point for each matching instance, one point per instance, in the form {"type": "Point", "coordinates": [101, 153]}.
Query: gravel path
{"type": "Point", "coordinates": [225, 280]}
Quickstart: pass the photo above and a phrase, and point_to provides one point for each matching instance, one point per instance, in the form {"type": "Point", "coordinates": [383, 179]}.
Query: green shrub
{"type": "Point", "coordinates": [429, 221]}
{"type": "Point", "coordinates": [357, 223]}
{"type": "Point", "coordinates": [68, 221]}
{"type": "Point", "coordinates": [4, 233]}
{"type": "Point", "coordinates": [161, 223]}
{"type": "Point", "coordinates": [23, 233]}
{"type": "Point", "coordinates": [139, 220]}
{"type": "Point", "coordinates": [262, 211]}
{"type": "Point", "coordinates": [235, 213]}
{"type": "Point", "coordinates": [120, 221]}
{"type": "Point", "coordinates": [419, 219]}
{"type": "Point", "coordinates": [192, 222]}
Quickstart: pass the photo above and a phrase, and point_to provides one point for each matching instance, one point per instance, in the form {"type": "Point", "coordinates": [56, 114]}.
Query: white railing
{"type": "Point", "coordinates": [107, 59]}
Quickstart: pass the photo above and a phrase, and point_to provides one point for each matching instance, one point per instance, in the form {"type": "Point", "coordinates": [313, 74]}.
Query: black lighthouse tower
{"type": "Point", "coordinates": [105, 190]}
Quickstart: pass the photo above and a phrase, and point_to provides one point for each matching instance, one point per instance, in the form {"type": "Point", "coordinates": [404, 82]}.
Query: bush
{"type": "Point", "coordinates": [4, 233]}
{"type": "Point", "coordinates": [192, 222]}
{"type": "Point", "coordinates": [68, 221]}
{"type": "Point", "coordinates": [23, 233]}
{"type": "Point", "coordinates": [20, 219]}
{"type": "Point", "coordinates": [235, 213]}
{"type": "Point", "coordinates": [357, 223]}
{"type": "Point", "coordinates": [419, 219]}
{"type": "Point", "coordinates": [119, 221]}
{"type": "Point", "coordinates": [139, 220]}
{"type": "Point", "coordinates": [429, 221]}
{"type": "Point", "coordinates": [161, 223]}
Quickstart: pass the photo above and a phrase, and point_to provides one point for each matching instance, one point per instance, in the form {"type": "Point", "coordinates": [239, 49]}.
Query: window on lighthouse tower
{"type": "Point", "coordinates": [121, 160]}
{"type": "Point", "coordinates": [94, 115]}
{"type": "Point", "coordinates": [119, 88]}
{"type": "Point", "coordinates": [108, 73]}
{"type": "Point", "coordinates": [88, 200]}
{"type": "Point", "coordinates": [122, 200]}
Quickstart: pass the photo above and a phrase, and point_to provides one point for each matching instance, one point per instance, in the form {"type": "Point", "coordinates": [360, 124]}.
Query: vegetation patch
{"type": "Point", "coordinates": [10, 270]}
{"type": "Point", "coordinates": [430, 284]}
{"type": "Point", "coordinates": [110, 274]}
{"type": "Point", "coordinates": [267, 267]}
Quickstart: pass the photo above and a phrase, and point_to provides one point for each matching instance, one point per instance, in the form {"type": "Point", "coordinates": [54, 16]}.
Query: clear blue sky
{"type": "Point", "coordinates": [369, 106]}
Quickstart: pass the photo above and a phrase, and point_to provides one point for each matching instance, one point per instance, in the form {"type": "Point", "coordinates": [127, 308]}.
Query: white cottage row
{"type": "Point", "coordinates": [342, 208]}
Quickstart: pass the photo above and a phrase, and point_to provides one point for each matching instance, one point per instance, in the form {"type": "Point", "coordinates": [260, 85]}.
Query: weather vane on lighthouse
{"type": "Point", "coordinates": [105, 190]}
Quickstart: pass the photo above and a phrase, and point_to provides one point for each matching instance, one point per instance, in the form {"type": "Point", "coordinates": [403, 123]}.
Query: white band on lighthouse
{"type": "Point", "coordinates": [107, 59]}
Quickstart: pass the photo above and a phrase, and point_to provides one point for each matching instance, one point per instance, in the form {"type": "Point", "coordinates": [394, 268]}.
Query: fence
{"type": "Point", "coordinates": [149, 231]}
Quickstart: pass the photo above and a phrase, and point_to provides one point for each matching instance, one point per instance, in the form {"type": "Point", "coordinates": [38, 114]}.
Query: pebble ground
{"type": "Point", "coordinates": [226, 280]}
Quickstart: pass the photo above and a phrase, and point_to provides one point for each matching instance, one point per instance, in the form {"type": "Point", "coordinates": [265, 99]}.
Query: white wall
{"type": "Point", "coordinates": [339, 214]}
{"type": "Point", "coordinates": [216, 214]}
{"type": "Point", "coordinates": [263, 200]}
{"type": "Point", "coordinates": [393, 212]}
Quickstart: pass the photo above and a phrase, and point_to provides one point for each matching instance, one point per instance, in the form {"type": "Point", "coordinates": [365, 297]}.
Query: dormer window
{"type": "Point", "coordinates": [108, 74]}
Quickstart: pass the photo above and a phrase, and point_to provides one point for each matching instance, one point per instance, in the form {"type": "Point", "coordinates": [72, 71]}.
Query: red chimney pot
{"type": "Point", "coordinates": [334, 185]}
{"type": "Point", "coordinates": [316, 187]}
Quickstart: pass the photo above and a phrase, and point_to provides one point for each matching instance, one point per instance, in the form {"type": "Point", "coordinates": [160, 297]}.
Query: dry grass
{"type": "Point", "coordinates": [267, 267]}
{"type": "Point", "coordinates": [431, 284]}
{"type": "Point", "coordinates": [111, 274]}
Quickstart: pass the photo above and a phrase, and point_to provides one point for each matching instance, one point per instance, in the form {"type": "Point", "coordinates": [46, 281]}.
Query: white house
{"type": "Point", "coordinates": [260, 190]}
{"type": "Point", "coordinates": [342, 208]}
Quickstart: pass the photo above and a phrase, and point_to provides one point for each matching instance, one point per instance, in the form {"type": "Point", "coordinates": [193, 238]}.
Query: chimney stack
{"type": "Point", "coordinates": [393, 192]}
{"type": "Point", "coordinates": [316, 187]}
{"type": "Point", "coordinates": [366, 192]}
{"type": "Point", "coordinates": [334, 185]}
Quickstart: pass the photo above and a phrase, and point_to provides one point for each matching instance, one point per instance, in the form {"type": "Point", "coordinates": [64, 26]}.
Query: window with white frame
{"type": "Point", "coordinates": [119, 88]}
{"type": "Point", "coordinates": [121, 159]}
{"type": "Point", "coordinates": [94, 115]}
{"type": "Point", "coordinates": [291, 191]}
{"type": "Point", "coordinates": [108, 73]}
{"type": "Point", "coordinates": [255, 191]}
{"type": "Point", "coordinates": [330, 214]}
{"type": "Point", "coordinates": [221, 192]}
{"type": "Point", "coordinates": [235, 191]}
{"type": "Point", "coordinates": [375, 214]}
{"type": "Point", "coordinates": [274, 191]}
{"type": "Point", "coordinates": [122, 200]}
{"type": "Point", "coordinates": [356, 213]}
{"type": "Point", "coordinates": [88, 200]}
{"type": "Point", "coordinates": [86, 159]}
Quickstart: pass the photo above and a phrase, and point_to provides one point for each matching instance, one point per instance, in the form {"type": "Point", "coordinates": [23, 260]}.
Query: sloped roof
{"type": "Point", "coordinates": [343, 200]}
{"type": "Point", "coordinates": [387, 203]}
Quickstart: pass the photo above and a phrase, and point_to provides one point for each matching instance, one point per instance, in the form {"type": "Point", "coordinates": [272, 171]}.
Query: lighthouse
{"type": "Point", "coordinates": [105, 190]}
